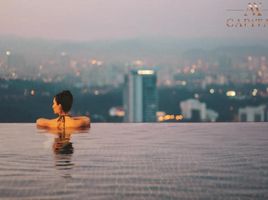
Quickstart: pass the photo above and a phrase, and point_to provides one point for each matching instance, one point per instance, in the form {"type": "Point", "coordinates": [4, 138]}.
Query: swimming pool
{"type": "Point", "coordinates": [135, 161]}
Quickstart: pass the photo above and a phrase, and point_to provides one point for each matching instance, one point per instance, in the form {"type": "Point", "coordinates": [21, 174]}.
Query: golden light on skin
{"type": "Point", "coordinates": [145, 72]}
{"type": "Point", "coordinates": [231, 93]}
{"type": "Point", "coordinates": [56, 107]}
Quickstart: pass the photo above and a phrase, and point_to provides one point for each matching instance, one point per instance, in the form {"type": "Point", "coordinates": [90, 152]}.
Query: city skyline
{"type": "Point", "coordinates": [214, 52]}
{"type": "Point", "coordinates": [226, 79]}
{"type": "Point", "coordinates": [118, 19]}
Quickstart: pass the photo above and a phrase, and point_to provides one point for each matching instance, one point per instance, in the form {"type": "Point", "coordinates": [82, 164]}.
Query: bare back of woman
{"type": "Point", "coordinates": [62, 104]}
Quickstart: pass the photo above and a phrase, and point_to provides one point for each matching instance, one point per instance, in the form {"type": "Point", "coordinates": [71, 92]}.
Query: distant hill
{"type": "Point", "coordinates": [154, 48]}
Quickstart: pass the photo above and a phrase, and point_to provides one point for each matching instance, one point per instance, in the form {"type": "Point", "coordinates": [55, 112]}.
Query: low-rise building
{"type": "Point", "coordinates": [253, 114]}
{"type": "Point", "coordinates": [194, 110]}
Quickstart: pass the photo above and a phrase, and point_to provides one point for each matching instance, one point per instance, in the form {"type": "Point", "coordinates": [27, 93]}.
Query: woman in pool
{"type": "Point", "coordinates": [62, 104]}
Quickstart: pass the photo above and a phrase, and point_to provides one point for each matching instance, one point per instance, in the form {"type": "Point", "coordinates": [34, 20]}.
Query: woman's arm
{"type": "Point", "coordinates": [41, 122]}
{"type": "Point", "coordinates": [46, 123]}
{"type": "Point", "coordinates": [82, 121]}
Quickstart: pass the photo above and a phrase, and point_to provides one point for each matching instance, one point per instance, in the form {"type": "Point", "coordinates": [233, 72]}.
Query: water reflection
{"type": "Point", "coordinates": [62, 144]}
{"type": "Point", "coordinates": [63, 149]}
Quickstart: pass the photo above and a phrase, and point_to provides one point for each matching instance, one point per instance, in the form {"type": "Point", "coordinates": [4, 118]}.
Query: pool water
{"type": "Point", "coordinates": [135, 161]}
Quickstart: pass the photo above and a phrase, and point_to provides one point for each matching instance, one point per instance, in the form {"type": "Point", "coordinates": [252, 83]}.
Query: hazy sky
{"type": "Point", "coordinates": [121, 19]}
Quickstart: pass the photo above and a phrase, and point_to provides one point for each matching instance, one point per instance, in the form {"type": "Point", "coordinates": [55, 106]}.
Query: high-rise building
{"type": "Point", "coordinates": [140, 96]}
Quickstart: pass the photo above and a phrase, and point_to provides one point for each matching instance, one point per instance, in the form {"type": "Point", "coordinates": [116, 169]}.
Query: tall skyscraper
{"type": "Point", "coordinates": [140, 96]}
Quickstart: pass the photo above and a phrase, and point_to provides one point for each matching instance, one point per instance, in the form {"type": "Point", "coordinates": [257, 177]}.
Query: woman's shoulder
{"type": "Point", "coordinates": [68, 122]}
{"type": "Point", "coordinates": [47, 123]}
{"type": "Point", "coordinates": [80, 121]}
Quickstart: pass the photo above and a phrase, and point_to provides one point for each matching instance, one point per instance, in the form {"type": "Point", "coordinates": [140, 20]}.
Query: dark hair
{"type": "Point", "coordinates": [65, 98]}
